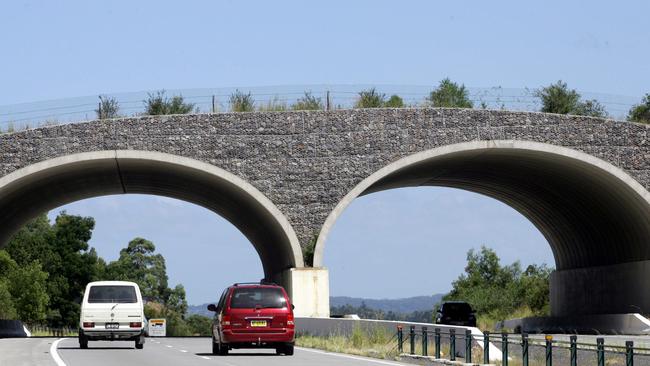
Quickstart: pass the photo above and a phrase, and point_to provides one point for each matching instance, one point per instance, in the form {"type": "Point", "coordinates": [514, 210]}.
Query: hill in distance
{"type": "Point", "coordinates": [405, 305]}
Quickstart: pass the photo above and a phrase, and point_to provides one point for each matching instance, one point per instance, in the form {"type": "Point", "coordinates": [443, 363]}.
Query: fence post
{"type": "Point", "coordinates": [412, 339]}
{"type": "Point", "coordinates": [436, 338]}
{"type": "Point", "coordinates": [486, 347]}
{"type": "Point", "coordinates": [452, 344]}
{"type": "Point", "coordinates": [574, 350]}
{"type": "Point", "coordinates": [629, 353]}
{"type": "Point", "coordinates": [549, 350]}
{"type": "Point", "coordinates": [425, 342]}
{"type": "Point", "coordinates": [400, 339]}
{"type": "Point", "coordinates": [524, 349]}
{"type": "Point", "coordinates": [600, 350]}
{"type": "Point", "coordinates": [327, 101]}
{"type": "Point", "coordinates": [504, 348]}
{"type": "Point", "coordinates": [468, 346]}
{"type": "Point", "coordinates": [213, 105]}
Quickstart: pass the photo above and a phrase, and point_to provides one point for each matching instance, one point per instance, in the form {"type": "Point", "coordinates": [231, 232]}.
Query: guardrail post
{"type": "Point", "coordinates": [629, 353]}
{"type": "Point", "coordinates": [468, 346]}
{"type": "Point", "coordinates": [452, 344]}
{"type": "Point", "coordinates": [400, 339]}
{"type": "Point", "coordinates": [524, 349]}
{"type": "Point", "coordinates": [412, 339]}
{"type": "Point", "coordinates": [600, 350]}
{"type": "Point", "coordinates": [436, 338]}
{"type": "Point", "coordinates": [574, 350]}
{"type": "Point", "coordinates": [486, 347]}
{"type": "Point", "coordinates": [504, 348]}
{"type": "Point", "coordinates": [425, 342]}
{"type": "Point", "coordinates": [549, 350]}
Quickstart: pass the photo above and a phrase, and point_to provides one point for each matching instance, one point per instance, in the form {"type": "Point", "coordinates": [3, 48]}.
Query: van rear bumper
{"type": "Point", "coordinates": [111, 335]}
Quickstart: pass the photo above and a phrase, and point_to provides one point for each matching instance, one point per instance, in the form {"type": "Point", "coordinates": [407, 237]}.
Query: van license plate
{"type": "Point", "coordinates": [112, 325]}
{"type": "Point", "coordinates": [258, 323]}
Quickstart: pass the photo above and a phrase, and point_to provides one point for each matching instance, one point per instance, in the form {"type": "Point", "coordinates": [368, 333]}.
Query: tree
{"type": "Point", "coordinates": [108, 107]}
{"type": "Point", "coordinates": [558, 98]}
{"type": "Point", "coordinates": [370, 98]}
{"type": "Point", "coordinates": [176, 300]}
{"type": "Point", "coordinates": [23, 293]}
{"type": "Point", "coordinates": [497, 291]}
{"type": "Point", "coordinates": [139, 263]}
{"type": "Point", "coordinates": [240, 102]}
{"type": "Point", "coordinates": [199, 325]}
{"type": "Point", "coordinates": [640, 112]}
{"type": "Point", "coordinates": [308, 102]}
{"type": "Point", "coordinates": [159, 104]}
{"type": "Point", "coordinates": [395, 101]}
{"type": "Point", "coordinates": [450, 95]}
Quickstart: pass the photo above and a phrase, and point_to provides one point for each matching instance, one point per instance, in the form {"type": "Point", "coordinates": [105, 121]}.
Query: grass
{"type": "Point", "coordinates": [376, 342]}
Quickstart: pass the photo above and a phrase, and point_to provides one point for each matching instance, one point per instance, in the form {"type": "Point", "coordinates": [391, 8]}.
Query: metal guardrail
{"type": "Point", "coordinates": [601, 353]}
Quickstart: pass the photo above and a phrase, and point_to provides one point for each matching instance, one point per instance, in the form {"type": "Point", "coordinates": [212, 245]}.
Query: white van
{"type": "Point", "coordinates": [112, 311]}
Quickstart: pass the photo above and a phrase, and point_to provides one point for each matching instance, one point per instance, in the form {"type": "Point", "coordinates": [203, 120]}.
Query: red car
{"type": "Point", "coordinates": [251, 315]}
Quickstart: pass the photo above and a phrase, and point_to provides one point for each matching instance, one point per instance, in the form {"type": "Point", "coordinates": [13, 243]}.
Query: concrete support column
{"type": "Point", "coordinates": [309, 289]}
{"type": "Point", "coordinates": [614, 289]}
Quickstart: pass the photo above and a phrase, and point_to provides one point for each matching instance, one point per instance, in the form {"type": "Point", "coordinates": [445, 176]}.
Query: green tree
{"type": "Point", "coordinates": [240, 102]}
{"type": "Point", "coordinates": [199, 325]}
{"type": "Point", "coordinates": [158, 104]}
{"type": "Point", "coordinates": [22, 290]}
{"type": "Point", "coordinates": [640, 112]}
{"type": "Point", "coordinates": [450, 95]}
{"type": "Point", "coordinates": [308, 102]}
{"type": "Point", "coordinates": [395, 101]}
{"type": "Point", "coordinates": [139, 263]}
{"type": "Point", "coordinates": [176, 300]}
{"type": "Point", "coordinates": [108, 107]}
{"type": "Point", "coordinates": [558, 98]}
{"type": "Point", "coordinates": [370, 98]}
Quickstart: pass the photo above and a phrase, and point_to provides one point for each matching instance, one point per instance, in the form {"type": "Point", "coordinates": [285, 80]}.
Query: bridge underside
{"type": "Point", "coordinates": [597, 225]}
{"type": "Point", "coordinates": [54, 183]}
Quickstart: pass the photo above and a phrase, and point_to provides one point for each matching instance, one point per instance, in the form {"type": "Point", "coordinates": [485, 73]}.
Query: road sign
{"type": "Point", "coordinates": [157, 327]}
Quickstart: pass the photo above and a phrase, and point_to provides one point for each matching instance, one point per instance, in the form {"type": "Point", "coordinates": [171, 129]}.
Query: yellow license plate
{"type": "Point", "coordinates": [258, 323]}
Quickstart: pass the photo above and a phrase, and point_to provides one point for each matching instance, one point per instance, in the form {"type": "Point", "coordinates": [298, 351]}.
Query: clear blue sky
{"type": "Point", "coordinates": [61, 49]}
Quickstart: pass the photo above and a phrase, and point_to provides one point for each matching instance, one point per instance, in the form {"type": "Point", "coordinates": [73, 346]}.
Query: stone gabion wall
{"type": "Point", "coordinates": [306, 162]}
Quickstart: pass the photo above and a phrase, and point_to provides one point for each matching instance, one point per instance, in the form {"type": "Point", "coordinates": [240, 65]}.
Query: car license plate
{"type": "Point", "coordinates": [258, 323]}
{"type": "Point", "coordinates": [112, 325]}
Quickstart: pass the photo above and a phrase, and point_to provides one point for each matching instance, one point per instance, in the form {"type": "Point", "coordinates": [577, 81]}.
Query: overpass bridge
{"type": "Point", "coordinates": [283, 179]}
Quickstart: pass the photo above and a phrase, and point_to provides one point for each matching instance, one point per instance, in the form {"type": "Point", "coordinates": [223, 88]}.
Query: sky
{"type": "Point", "coordinates": [64, 49]}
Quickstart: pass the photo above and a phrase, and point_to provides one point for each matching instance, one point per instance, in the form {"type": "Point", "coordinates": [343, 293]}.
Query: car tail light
{"type": "Point", "coordinates": [89, 325]}
{"type": "Point", "coordinates": [135, 325]}
{"type": "Point", "coordinates": [290, 321]}
{"type": "Point", "coordinates": [225, 321]}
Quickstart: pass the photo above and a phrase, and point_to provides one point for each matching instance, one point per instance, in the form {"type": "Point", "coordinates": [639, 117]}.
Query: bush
{"type": "Point", "coordinates": [370, 98]}
{"type": "Point", "coordinates": [558, 98]}
{"type": "Point", "coordinates": [395, 101]}
{"type": "Point", "coordinates": [159, 104]}
{"type": "Point", "coordinates": [240, 102]}
{"type": "Point", "coordinates": [640, 112]}
{"type": "Point", "coordinates": [108, 107]}
{"type": "Point", "coordinates": [450, 95]}
{"type": "Point", "coordinates": [308, 103]}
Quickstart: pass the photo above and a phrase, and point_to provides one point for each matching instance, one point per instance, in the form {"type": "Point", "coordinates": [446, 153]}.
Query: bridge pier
{"type": "Point", "coordinates": [309, 289]}
{"type": "Point", "coordinates": [613, 289]}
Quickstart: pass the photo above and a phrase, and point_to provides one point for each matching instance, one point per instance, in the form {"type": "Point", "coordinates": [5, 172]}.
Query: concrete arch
{"type": "Point", "coordinates": [51, 183]}
{"type": "Point", "coordinates": [595, 217]}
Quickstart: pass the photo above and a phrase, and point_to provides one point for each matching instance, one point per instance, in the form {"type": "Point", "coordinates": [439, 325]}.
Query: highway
{"type": "Point", "coordinates": [160, 352]}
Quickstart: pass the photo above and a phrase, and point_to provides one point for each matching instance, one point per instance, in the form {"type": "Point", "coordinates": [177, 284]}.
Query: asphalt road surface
{"type": "Point", "coordinates": [160, 352]}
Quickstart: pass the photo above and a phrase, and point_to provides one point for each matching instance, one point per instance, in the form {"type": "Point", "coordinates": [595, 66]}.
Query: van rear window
{"type": "Point", "coordinates": [262, 297]}
{"type": "Point", "coordinates": [112, 294]}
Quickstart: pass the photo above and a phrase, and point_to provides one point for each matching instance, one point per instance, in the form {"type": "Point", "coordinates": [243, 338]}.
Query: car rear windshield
{"type": "Point", "coordinates": [261, 297]}
{"type": "Point", "coordinates": [460, 308]}
{"type": "Point", "coordinates": [112, 294]}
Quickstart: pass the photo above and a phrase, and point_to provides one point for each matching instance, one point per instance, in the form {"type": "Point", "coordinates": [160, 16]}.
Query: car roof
{"type": "Point", "coordinates": [113, 283]}
{"type": "Point", "coordinates": [252, 285]}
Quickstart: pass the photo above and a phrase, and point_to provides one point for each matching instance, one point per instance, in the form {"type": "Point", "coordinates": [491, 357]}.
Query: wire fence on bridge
{"type": "Point", "coordinates": [210, 100]}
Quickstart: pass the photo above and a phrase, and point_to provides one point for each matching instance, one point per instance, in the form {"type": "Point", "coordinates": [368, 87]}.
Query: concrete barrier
{"type": "Point", "coordinates": [12, 329]}
{"type": "Point", "coordinates": [324, 327]}
{"type": "Point", "coordinates": [587, 324]}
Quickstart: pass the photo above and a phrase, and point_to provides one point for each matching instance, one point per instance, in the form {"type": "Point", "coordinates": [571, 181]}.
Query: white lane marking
{"type": "Point", "coordinates": [55, 354]}
{"type": "Point", "coordinates": [358, 358]}
{"type": "Point", "coordinates": [184, 351]}
{"type": "Point", "coordinates": [205, 357]}
{"type": "Point", "coordinates": [168, 346]}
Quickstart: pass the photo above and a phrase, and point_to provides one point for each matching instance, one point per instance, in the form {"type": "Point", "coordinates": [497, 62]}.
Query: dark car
{"type": "Point", "coordinates": [258, 315]}
{"type": "Point", "coordinates": [456, 313]}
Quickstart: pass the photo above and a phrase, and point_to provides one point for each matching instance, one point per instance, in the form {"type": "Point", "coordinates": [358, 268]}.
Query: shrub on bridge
{"type": "Point", "coordinates": [450, 95]}
{"type": "Point", "coordinates": [158, 104]}
{"type": "Point", "coordinates": [558, 98]}
{"type": "Point", "coordinates": [240, 102]}
{"type": "Point", "coordinates": [640, 112]}
{"type": "Point", "coordinates": [308, 103]}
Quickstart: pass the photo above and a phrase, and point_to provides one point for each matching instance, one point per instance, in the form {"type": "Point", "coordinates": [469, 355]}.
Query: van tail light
{"type": "Point", "coordinates": [225, 321]}
{"type": "Point", "coordinates": [290, 321]}
{"type": "Point", "coordinates": [89, 325]}
{"type": "Point", "coordinates": [135, 325]}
